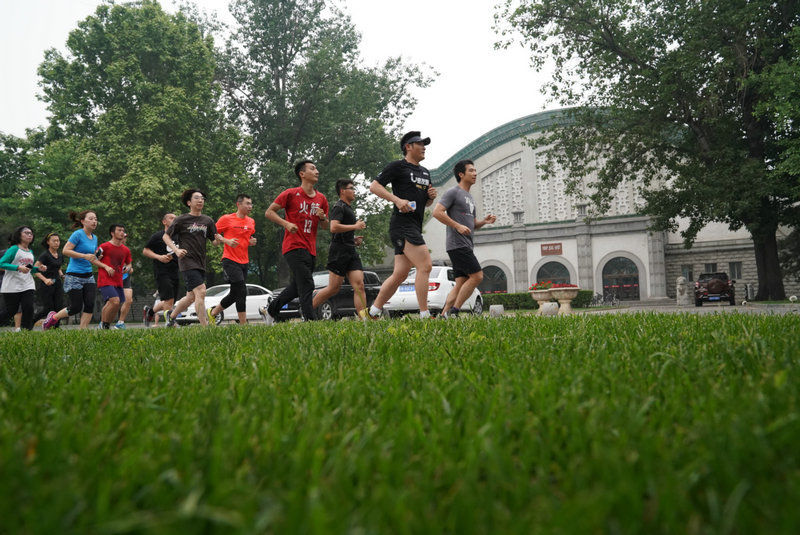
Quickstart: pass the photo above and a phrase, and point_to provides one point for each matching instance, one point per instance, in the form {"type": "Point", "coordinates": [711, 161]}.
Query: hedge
{"type": "Point", "coordinates": [524, 301]}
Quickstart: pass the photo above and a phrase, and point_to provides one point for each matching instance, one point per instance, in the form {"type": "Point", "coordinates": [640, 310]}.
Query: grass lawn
{"type": "Point", "coordinates": [634, 423]}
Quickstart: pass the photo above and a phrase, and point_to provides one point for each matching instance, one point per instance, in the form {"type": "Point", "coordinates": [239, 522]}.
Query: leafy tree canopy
{"type": "Point", "coordinates": [294, 79]}
{"type": "Point", "coordinates": [671, 93]}
{"type": "Point", "coordinates": [134, 120]}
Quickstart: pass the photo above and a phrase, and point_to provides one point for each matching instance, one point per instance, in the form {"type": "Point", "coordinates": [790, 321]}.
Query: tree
{"type": "Point", "coordinates": [782, 81]}
{"type": "Point", "coordinates": [134, 119]}
{"type": "Point", "coordinates": [295, 81]}
{"type": "Point", "coordinates": [668, 92]}
{"type": "Point", "coordinates": [14, 170]}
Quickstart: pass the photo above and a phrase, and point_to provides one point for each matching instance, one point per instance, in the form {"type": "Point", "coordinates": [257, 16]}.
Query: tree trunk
{"type": "Point", "coordinates": [770, 275]}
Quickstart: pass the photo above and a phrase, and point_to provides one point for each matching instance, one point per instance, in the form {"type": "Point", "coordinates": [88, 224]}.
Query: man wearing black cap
{"type": "Point", "coordinates": [411, 193]}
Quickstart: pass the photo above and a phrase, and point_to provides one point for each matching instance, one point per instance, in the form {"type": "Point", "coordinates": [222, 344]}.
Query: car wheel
{"type": "Point", "coordinates": [325, 311]}
{"type": "Point", "coordinates": [220, 318]}
{"type": "Point", "coordinates": [477, 310]}
{"type": "Point", "coordinates": [395, 314]}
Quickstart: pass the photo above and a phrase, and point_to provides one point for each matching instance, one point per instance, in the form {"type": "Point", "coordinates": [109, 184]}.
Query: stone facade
{"type": "Point", "coordinates": [539, 223]}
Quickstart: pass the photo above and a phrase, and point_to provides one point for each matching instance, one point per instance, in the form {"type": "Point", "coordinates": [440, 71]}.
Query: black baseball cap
{"type": "Point", "coordinates": [413, 137]}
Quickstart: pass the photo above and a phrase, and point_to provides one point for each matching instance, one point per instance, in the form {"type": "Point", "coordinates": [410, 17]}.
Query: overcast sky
{"type": "Point", "coordinates": [478, 88]}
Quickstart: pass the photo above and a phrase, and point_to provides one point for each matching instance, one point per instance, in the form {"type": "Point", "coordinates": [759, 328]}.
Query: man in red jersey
{"type": "Point", "coordinates": [116, 260]}
{"type": "Point", "coordinates": [235, 231]}
{"type": "Point", "coordinates": [305, 208]}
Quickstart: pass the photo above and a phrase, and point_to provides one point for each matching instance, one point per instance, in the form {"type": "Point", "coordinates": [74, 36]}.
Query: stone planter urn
{"type": "Point", "coordinates": [543, 297]}
{"type": "Point", "coordinates": [564, 296]}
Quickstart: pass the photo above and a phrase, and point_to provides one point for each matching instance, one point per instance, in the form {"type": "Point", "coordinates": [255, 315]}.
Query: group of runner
{"type": "Point", "coordinates": [180, 248]}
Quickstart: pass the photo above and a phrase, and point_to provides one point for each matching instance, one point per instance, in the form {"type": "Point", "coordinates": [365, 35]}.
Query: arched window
{"type": "Point", "coordinates": [555, 272]}
{"type": "Point", "coordinates": [621, 277]}
{"type": "Point", "coordinates": [494, 280]}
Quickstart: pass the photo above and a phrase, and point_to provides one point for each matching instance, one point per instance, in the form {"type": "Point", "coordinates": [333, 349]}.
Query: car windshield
{"type": "Point", "coordinates": [705, 277]}
{"type": "Point", "coordinates": [217, 290]}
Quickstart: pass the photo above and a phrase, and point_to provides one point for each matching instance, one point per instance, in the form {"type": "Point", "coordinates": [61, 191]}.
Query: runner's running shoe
{"type": "Point", "coordinates": [50, 321]}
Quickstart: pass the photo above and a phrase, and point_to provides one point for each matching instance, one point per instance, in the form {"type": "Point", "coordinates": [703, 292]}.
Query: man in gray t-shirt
{"type": "Point", "coordinates": [456, 209]}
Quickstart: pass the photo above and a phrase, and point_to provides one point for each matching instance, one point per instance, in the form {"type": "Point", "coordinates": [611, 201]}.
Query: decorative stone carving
{"type": "Point", "coordinates": [552, 201]}
{"type": "Point", "coordinates": [502, 192]}
{"type": "Point", "coordinates": [684, 297]}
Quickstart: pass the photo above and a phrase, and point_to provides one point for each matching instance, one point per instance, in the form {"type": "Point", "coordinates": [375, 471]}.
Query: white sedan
{"type": "Point", "coordinates": [441, 281]}
{"type": "Point", "coordinates": [257, 296]}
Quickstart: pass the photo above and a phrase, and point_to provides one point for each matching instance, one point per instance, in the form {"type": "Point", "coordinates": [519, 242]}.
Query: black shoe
{"type": "Point", "coordinates": [148, 315]}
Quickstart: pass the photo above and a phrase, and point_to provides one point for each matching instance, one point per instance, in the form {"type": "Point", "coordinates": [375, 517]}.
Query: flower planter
{"type": "Point", "coordinates": [541, 297]}
{"type": "Point", "coordinates": [564, 296]}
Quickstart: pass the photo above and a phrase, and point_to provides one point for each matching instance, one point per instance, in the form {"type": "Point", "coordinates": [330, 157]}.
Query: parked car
{"type": "Point", "coordinates": [713, 287]}
{"type": "Point", "coordinates": [339, 305]}
{"type": "Point", "coordinates": [441, 281]}
{"type": "Point", "coordinates": [257, 296]}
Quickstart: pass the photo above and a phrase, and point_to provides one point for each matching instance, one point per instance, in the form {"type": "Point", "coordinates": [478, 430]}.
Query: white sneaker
{"type": "Point", "coordinates": [268, 320]}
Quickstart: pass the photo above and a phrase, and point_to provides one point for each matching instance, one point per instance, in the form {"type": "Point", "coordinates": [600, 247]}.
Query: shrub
{"type": "Point", "coordinates": [512, 301]}
{"type": "Point", "coordinates": [583, 299]}
{"type": "Point", "coordinates": [524, 301]}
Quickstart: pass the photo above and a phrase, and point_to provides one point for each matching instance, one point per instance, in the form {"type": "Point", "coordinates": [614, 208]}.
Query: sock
{"type": "Point", "coordinates": [424, 314]}
{"type": "Point", "coordinates": [374, 311]}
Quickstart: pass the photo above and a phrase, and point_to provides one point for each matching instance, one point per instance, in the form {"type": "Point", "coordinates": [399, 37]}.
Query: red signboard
{"type": "Point", "coordinates": [551, 249]}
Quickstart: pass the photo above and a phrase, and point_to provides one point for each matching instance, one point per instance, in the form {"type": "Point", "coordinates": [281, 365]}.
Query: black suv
{"type": "Point", "coordinates": [714, 287]}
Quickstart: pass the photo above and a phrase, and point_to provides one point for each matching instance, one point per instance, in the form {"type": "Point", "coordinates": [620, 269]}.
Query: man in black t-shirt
{"type": "Point", "coordinates": [192, 231]}
{"type": "Point", "coordinates": [343, 259]}
{"type": "Point", "coordinates": [411, 194]}
{"type": "Point", "coordinates": [165, 269]}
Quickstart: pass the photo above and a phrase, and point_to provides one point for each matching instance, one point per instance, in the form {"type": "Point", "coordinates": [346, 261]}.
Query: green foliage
{"type": "Point", "coordinates": [668, 93]}
{"type": "Point", "coordinates": [510, 301]}
{"type": "Point", "coordinates": [585, 424]}
{"type": "Point", "coordinates": [135, 119]}
{"type": "Point", "coordinates": [13, 173]}
{"type": "Point", "coordinates": [294, 79]}
{"type": "Point", "coordinates": [583, 300]}
{"type": "Point", "coordinates": [524, 301]}
{"type": "Point", "coordinates": [780, 80]}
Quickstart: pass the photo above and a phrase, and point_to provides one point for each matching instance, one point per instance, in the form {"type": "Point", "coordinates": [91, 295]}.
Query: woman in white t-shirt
{"type": "Point", "coordinates": [18, 288]}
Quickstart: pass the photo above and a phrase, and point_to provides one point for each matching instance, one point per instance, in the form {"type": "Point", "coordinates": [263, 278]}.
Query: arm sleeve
{"type": "Point", "coordinates": [212, 230]}
{"type": "Point", "coordinates": [5, 262]}
{"type": "Point", "coordinates": [173, 228]}
{"type": "Point", "coordinates": [280, 200]}
{"type": "Point", "coordinates": [152, 242]}
{"type": "Point", "coordinates": [337, 213]}
{"type": "Point", "coordinates": [447, 199]}
{"type": "Point", "coordinates": [222, 225]}
{"type": "Point", "coordinates": [73, 238]}
{"type": "Point", "coordinates": [387, 174]}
